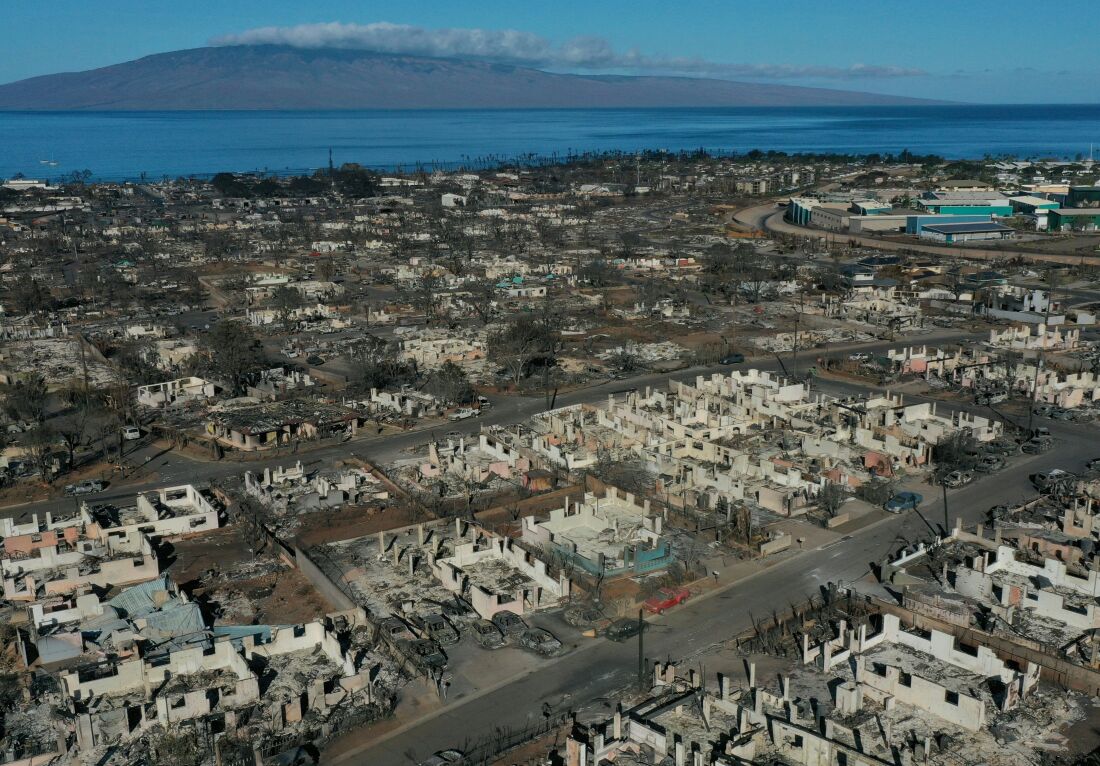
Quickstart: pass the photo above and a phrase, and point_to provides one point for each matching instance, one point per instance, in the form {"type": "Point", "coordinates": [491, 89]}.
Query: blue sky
{"type": "Point", "coordinates": [980, 51]}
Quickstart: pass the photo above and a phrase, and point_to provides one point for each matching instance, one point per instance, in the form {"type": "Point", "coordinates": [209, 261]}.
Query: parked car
{"type": "Point", "coordinates": [86, 487]}
{"type": "Point", "coordinates": [666, 598]}
{"type": "Point", "coordinates": [130, 433]}
{"type": "Point", "coordinates": [483, 402]}
{"type": "Point", "coordinates": [426, 653]}
{"type": "Point", "coordinates": [440, 630]}
{"type": "Point", "coordinates": [444, 758]}
{"type": "Point", "coordinates": [540, 642]}
{"type": "Point", "coordinates": [621, 630]}
{"type": "Point", "coordinates": [989, 463]}
{"type": "Point", "coordinates": [316, 361]}
{"type": "Point", "coordinates": [1042, 410]}
{"type": "Point", "coordinates": [732, 359]}
{"type": "Point", "coordinates": [509, 623]}
{"type": "Point", "coordinates": [903, 501]}
{"type": "Point", "coordinates": [487, 635]}
{"type": "Point", "coordinates": [859, 356]}
{"type": "Point", "coordinates": [1059, 413]}
{"type": "Point", "coordinates": [462, 413]}
{"type": "Point", "coordinates": [1094, 464]}
{"type": "Point", "coordinates": [957, 479]}
{"type": "Point", "coordinates": [1040, 431]}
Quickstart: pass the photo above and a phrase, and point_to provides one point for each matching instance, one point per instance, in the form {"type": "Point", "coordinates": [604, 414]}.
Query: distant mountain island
{"type": "Point", "coordinates": [268, 77]}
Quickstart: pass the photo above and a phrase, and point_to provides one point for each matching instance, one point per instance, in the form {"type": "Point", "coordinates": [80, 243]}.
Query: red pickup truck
{"type": "Point", "coordinates": [666, 598]}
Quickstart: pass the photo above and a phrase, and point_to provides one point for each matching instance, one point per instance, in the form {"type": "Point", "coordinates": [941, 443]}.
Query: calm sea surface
{"type": "Point", "coordinates": [125, 145]}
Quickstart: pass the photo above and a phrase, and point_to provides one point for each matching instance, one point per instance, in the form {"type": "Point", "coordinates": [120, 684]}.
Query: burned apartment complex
{"type": "Point", "coordinates": [668, 459]}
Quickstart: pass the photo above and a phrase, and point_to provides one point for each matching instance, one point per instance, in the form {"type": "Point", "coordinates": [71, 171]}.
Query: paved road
{"type": "Point", "coordinates": [596, 670]}
{"type": "Point", "coordinates": [770, 218]}
{"type": "Point", "coordinates": [174, 468]}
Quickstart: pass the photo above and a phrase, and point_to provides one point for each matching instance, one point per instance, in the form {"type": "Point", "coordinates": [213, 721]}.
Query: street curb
{"type": "Point", "coordinates": [344, 757]}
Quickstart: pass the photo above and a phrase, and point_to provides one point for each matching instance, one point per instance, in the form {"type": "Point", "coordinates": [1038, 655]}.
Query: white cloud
{"type": "Point", "coordinates": [528, 49]}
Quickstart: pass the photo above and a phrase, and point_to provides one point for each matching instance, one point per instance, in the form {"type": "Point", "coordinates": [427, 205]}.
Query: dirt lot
{"type": "Point", "coordinates": [329, 526]}
{"type": "Point", "coordinates": [219, 571]}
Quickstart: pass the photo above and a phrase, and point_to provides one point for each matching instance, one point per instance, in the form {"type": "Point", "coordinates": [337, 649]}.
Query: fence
{"type": "Point", "coordinates": [486, 750]}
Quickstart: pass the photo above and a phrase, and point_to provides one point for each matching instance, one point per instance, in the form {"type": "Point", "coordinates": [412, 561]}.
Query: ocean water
{"type": "Point", "coordinates": [126, 145]}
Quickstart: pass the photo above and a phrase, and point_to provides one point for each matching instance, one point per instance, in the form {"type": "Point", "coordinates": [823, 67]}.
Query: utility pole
{"type": "Point", "coordinates": [797, 324]}
{"type": "Point", "coordinates": [641, 652]}
{"type": "Point", "coordinates": [1039, 359]}
{"type": "Point", "coordinates": [946, 522]}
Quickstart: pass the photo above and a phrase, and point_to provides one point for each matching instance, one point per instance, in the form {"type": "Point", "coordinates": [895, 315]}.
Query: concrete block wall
{"type": "Point", "coordinates": [889, 681]}
{"type": "Point", "coordinates": [1053, 570]}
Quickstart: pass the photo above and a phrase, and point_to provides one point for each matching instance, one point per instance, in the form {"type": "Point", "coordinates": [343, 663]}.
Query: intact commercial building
{"type": "Point", "coordinates": [834, 217]}
{"type": "Point", "coordinates": [869, 224]}
{"type": "Point", "coordinates": [1029, 205]}
{"type": "Point", "coordinates": [1083, 196]}
{"type": "Point", "coordinates": [952, 233]}
{"type": "Point", "coordinates": [965, 203]}
{"type": "Point", "coordinates": [1035, 208]}
{"type": "Point", "coordinates": [1074, 219]}
{"type": "Point", "coordinates": [869, 207]}
{"type": "Point", "coordinates": [914, 224]}
{"type": "Point", "coordinates": [799, 210]}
